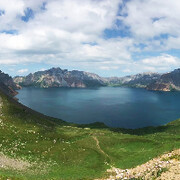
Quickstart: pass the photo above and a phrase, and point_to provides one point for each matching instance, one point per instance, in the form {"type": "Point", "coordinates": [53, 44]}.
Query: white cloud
{"type": "Point", "coordinates": [149, 19]}
{"type": "Point", "coordinates": [72, 32]}
{"type": "Point", "coordinates": [42, 69]}
{"type": "Point", "coordinates": [127, 70]}
{"type": "Point", "coordinates": [109, 67]}
{"type": "Point", "coordinates": [162, 61]}
{"type": "Point", "coordinates": [22, 71]}
{"type": "Point", "coordinates": [63, 32]}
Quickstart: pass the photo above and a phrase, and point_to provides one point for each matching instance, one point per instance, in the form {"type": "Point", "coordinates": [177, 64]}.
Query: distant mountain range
{"type": "Point", "coordinates": [57, 77]}
{"type": "Point", "coordinates": [138, 80]}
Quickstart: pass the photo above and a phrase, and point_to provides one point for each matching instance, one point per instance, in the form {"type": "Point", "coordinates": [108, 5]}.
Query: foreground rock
{"type": "Point", "coordinates": [167, 82]}
{"type": "Point", "coordinates": [57, 77]}
{"type": "Point", "coordinates": [165, 167]}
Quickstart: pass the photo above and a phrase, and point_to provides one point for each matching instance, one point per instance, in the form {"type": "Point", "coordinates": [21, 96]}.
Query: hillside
{"type": "Point", "coordinates": [56, 77]}
{"type": "Point", "coordinates": [34, 146]}
{"type": "Point", "coordinates": [167, 82]}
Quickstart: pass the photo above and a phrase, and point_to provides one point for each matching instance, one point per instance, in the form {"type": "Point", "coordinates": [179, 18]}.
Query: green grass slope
{"type": "Point", "coordinates": [54, 149]}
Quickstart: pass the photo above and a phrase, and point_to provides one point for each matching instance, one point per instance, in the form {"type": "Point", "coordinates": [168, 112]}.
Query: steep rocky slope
{"type": "Point", "coordinates": [56, 77]}
{"type": "Point", "coordinates": [167, 82]}
{"type": "Point", "coordinates": [7, 85]}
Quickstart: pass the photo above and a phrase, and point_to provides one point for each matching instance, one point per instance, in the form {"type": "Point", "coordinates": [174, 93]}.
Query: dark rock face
{"type": "Point", "coordinates": [7, 85]}
{"type": "Point", "coordinates": [57, 77]}
{"type": "Point", "coordinates": [167, 82]}
{"type": "Point", "coordinates": [138, 80]}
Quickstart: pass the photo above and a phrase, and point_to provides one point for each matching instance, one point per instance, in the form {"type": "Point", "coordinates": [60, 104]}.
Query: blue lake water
{"type": "Point", "coordinates": [114, 106]}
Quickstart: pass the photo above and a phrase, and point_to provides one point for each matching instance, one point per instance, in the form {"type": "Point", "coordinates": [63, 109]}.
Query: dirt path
{"type": "Point", "coordinates": [98, 146]}
{"type": "Point", "coordinates": [1, 103]}
{"type": "Point", "coordinates": [107, 158]}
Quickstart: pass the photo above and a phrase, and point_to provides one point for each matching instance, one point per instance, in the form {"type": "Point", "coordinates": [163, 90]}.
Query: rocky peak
{"type": "Point", "coordinates": [55, 70]}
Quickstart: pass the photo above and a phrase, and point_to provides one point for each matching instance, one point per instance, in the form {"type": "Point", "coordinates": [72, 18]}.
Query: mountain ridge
{"type": "Point", "coordinates": [57, 77]}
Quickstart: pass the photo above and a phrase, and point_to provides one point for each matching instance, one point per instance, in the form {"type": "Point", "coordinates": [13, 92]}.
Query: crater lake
{"type": "Point", "coordinates": [114, 106]}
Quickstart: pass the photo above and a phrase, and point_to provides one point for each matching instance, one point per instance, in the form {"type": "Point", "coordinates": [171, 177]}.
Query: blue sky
{"type": "Point", "coordinates": [110, 38]}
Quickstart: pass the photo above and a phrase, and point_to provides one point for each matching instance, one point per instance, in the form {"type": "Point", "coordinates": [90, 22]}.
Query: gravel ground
{"type": "Point", "coordinates": [10, 163]}
{"type": "Point", "coordinates": [165, 167]}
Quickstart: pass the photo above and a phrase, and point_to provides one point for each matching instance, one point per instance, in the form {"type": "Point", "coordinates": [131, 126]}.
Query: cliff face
{"type": "Point", "coordinates": [138, 80]}
{"type": "Point", "coordinates": [7, 85]}
{"type": "Point", "coordinates": [167, 82]}
{"type": "Point", "coordinates": [57, 77]}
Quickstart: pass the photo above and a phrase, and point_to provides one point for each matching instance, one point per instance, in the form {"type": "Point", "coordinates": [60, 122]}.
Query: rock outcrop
{"type": "Point", "coordinates": [7, 85]}
{"type": "Point", "coordinates": [57, 77]}
{"type": "Point", "coordinates": [166, 166]}
{"type": "Point", "coordinates": [167, 82]}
